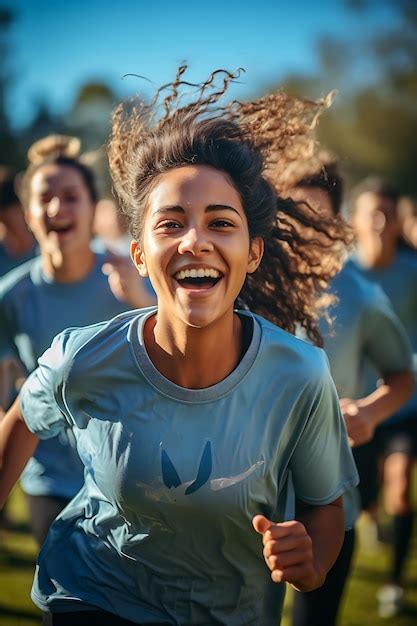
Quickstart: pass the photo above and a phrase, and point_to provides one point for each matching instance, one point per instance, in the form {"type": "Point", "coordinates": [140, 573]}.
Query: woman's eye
{"type": "Point", "coordinates": [169, 225]}
{"type": "Point", "coordinates": [221, 223]}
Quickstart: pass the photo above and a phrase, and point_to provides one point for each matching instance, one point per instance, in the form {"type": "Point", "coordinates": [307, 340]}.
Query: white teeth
{"type": "Point", "coordinates": [197, 273]}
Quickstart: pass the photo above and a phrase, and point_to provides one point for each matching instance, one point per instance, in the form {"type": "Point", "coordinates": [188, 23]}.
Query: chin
{"type": "Point", "coordinates": [197, 322]}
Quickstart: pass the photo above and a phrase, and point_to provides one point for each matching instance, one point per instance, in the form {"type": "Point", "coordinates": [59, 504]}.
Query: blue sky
{"type": "Point", "coordinates": [59, 45]}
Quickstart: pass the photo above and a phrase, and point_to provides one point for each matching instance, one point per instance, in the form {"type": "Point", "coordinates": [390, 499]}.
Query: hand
{"type": "Point", "coordinates": [288, 552]}
{"type": "Point", "coordinates": [359, 423]}
{"type": "Point", "coordinates": [125, 282]}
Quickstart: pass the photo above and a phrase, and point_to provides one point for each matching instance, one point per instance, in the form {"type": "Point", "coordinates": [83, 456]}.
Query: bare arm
{"type": "Point", "coordinates": [302, 551]}
{"type": "Point", "coordinates": [364, 415]}
{"type": "Point", "coordinates": [17, 445]}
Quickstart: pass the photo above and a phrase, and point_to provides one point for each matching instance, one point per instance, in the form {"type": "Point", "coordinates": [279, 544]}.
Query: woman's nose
{"type": "Point", "coordinates": [195, 241]}
{"type": "Point", "coordinates": [379, 221]}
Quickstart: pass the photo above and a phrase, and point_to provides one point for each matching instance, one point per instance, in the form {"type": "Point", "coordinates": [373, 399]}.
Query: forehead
{"type": "Point", "coordinates": [194, 185]}
{"type": "Point", "coordinates": [55, 176]}
{"type": "Point", "coordinates": [369, 202]}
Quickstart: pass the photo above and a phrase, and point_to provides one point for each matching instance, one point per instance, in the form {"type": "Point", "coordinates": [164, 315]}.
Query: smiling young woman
{"type": "Point", "coordinates": [190, 417]}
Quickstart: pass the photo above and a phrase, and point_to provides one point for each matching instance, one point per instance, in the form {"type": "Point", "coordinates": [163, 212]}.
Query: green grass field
{"type": "Point", "coordinates": [18, 553]}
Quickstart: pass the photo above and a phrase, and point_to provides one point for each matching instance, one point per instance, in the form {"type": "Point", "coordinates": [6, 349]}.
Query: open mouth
{"type": "Point", "coordinates": [201, 278]}
{"type": "Point", "coordinates": [61, 229]}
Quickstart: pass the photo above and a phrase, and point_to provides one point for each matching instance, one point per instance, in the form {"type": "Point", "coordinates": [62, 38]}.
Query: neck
{"type": "Point", "coordinates": [376, 254]}
{"type": "Point", "coordinates": [68, 268]}
{"type": "Point", "coordinates": [194, 358]}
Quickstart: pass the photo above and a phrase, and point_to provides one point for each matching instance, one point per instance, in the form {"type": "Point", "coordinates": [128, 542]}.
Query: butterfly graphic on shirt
{"type": "Point", "coordinates": [171, 478]}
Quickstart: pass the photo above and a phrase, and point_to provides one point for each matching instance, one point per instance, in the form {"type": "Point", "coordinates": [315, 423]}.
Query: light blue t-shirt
{"type": "Point", "coordinates": [162, 528]}
{"type": "Point", "coordinates": [364, 329]}
{"type": "Point", "coordinates": [8, 262]}
{"type": "Point", "coordinates": [33, 309]}
{"type": "Point", "coordinates": [399, 282]}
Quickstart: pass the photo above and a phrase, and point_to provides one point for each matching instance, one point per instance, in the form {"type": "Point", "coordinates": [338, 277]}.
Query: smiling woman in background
{"type": "Point", "coordinates": [189, 416]}
{"type": "Point", "coordinates": [63, 287]}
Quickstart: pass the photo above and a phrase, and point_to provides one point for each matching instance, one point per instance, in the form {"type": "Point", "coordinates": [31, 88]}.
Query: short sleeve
{"type": "Point", "coordinates": [322, 464]}
{"type": "Point", "coordinates": [385, 341]}
{"type": "Point", "coordinates": [38, 396]}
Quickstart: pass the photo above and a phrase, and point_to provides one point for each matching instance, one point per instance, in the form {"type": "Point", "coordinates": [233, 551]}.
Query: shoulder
{"type": "Point", "coordinates": [76, 338]}
{"type": "Point", "coordinates": [290, 354]}
{"type": "Point", "coordinates": [368, 292]}
{"type": "Point", "coordinates": [18, 278]}
{"type": "Point", "coordinates": [87, 348]}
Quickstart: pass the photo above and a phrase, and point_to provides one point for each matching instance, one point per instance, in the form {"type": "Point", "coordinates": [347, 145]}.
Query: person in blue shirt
{"type": "Point", "coordinates": [352, 332]}
{"type": "Point", "coordinates": [64, 286]}
{"type": "Point", "coordinates": [376, 220]}
{"type": "Point", "coordinates": [190, 416]}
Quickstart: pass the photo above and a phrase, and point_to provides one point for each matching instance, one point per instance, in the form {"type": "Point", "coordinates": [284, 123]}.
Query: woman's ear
{"type": "Point", "coordinates": [256, 252]}
{"type": "Point", "coordinates": [138, 258]}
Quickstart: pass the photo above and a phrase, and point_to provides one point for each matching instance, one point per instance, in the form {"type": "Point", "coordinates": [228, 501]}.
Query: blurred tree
{"type": "Point", "coordinates": [373, 124]}
{"type": "Point", "coordinates": [91, 112]}
{"type": "Point", "coordinates": [10, 153]}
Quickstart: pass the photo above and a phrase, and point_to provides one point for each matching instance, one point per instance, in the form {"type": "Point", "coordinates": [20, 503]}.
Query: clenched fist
{"type": "Point", "coordinates": [288, 552]}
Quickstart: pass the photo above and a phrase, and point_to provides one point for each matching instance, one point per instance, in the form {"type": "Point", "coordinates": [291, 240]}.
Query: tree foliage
{"type": "Point", "coordinates": [373, 123]}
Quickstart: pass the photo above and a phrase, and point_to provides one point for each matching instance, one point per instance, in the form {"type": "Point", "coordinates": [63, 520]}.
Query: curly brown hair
{"type": "Point", "coordinates": [248, 141]}
{"type": "Point", "coordinates": [321, 171]}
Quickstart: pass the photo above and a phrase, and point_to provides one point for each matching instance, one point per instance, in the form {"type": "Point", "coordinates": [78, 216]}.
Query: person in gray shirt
{"type": "Point", "coordinates": [376, 220]}
{"type": "Point", "coordinates": [352, 332]}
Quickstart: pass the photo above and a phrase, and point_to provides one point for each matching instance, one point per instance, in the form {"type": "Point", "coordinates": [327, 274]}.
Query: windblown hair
{"type": "Point", "coordinates": [249, 142]}
{"type": "Point", "coordinates": [321, 171]}
{"type": "Point", "coordinates": [58, 150]}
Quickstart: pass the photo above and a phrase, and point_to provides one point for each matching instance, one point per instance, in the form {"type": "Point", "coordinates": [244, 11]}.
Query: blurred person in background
{"type": "Point", "coordinates": [65, 286]}
{"type": "Point", "coordinates": [379, 257]}
{"type": "Point", "coordinates": [352, 331]}
{"type": "Point", "coordinates": [407, 210]}
{"type": "Point", "coordinates": [110, 228]}
{"type": "Point", "coordinates": [17, 244]}
{"type": "Point", "coordinates": [112, 237]}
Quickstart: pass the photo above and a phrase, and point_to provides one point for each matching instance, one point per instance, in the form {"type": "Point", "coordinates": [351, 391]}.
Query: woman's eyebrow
{"type": "Point", "coordinates": [71, 187]}
{"type": "Point", "coordinates": [220, 207]}
{"type": "Point", "coordinates": [209, 209]}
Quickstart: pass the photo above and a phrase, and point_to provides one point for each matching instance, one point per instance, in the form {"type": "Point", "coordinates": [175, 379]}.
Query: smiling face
{"type": "Point", "coordinates": [60, 209]}
{"type": "Point", "coordinates": [195, 246]}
